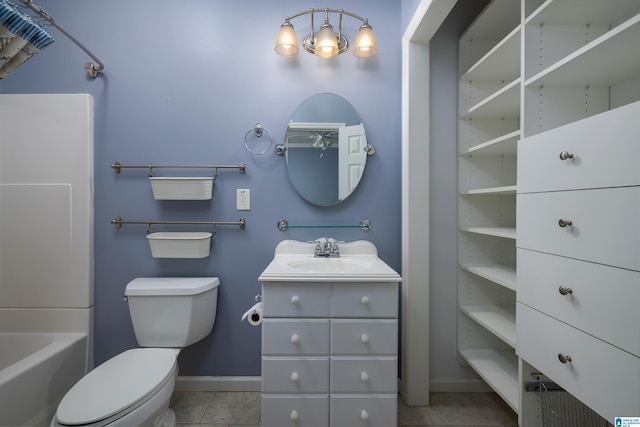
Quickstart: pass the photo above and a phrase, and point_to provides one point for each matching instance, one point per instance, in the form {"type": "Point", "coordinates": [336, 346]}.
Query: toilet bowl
{"type": "Point", "coordinates": [134, 388]}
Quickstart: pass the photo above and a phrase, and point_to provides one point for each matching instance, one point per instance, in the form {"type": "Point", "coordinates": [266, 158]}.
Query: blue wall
{"type": "Point", "coordinates": [184, 82]}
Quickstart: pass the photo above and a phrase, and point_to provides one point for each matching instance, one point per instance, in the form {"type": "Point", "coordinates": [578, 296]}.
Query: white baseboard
{"type": "Point", "coordinates": [218, 383]}
{"type": "Point", "coordinates": [441, 385]}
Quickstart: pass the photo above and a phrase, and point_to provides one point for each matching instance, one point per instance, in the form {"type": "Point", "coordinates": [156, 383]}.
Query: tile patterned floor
{"type": "Point", "coordinates": [242, 409]}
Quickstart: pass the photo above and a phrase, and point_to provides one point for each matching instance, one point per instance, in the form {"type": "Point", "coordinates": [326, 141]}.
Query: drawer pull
{"type": "Point", "coordinates": [295, 377]}
{"type": "Point", "coordinates": [364, 415]}
{"type": "Point", "coordinates": [294, 415]}
{"type": "Point", "coordinates": [295, 339]}
{"type": "Point", "coordinates": [564, 358]}
{"type": "Point", "coordinates": [364, 377]}
{"type": "Point", "coordinates": [365, 300]}
{"type": "Point", "coordinates": [295, 299]}
{"type": "Point", "coordinates": [565, 155]}
{"type": "Point", "coordinates": [564, 222]}
{"type": "Point", "coordinates": [564, 290]}
{"type": "Point", "coordinates": [364, 338]}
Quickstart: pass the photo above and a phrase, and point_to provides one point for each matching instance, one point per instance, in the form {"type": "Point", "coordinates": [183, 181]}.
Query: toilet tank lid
{"type": "Point", "coordinates": [156, 286]}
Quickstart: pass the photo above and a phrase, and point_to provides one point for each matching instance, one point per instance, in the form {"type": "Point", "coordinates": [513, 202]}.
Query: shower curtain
{"type": "Point", "coordinates": [21, 38]}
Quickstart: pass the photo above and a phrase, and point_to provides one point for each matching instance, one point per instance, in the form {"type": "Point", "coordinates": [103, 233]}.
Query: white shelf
{"type": "Point", "coordinates": [504, 232]}
{"type": "Point", "coordinates": [592, 64]}
{"type": "Point", "coordinates": [503, 103]}
{"type": "Point", "coordinates": [500, 321]}
{"type": "Point", "coordinates": [580, 12]}
{"type": "Point", "coordinates": [500, 63]}
{"type": "Point", "coordinates": [495, 21]}
{"type": "Point", "coordinates": [499, 369]}
{"type": "Point", "coordinates": [503, 145]}
{"type": "Point", "coordinates": [501, 274]}
{"type": "Point", "coordinates": [507, 189]}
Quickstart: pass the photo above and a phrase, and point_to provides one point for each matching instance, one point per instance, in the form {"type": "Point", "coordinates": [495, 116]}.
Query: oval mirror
{"type": "Point", "coordinates": [326, 149]}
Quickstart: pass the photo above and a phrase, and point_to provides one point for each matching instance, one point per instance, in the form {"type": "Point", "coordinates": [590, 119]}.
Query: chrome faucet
{"type": "Point", "coordinates": [327, 248]}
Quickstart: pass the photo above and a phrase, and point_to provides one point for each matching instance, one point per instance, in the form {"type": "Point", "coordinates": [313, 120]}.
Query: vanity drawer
{"type": "Point", "coordinates": [602, 376]}
{"type": "Point", "coordinates": [364, 410]}
{"type": "Point", "coordinates": [371, 375]}
{"type": "Point", "coordinates": [295, 337]}
{"type": "Point", "coordinates": [604, 225]}
{"type": "Point", "coordinates": [295, 375]}
{"type": "Point", "coordinates": [295, 410]}
{"type": "Point", "coordinates": [295, 299]}
{"type": "Point", "coordinates": [364, 300]}
{"type": "Point", "coordinates": [601, 300]}
{"type": "Point", "coordinates": [364, 337]}
{"type": "Point", "coordinates": [604, 148]}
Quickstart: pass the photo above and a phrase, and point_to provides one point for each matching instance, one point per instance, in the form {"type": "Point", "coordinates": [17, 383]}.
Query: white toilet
{"type": "Point", "coordinates": [134, 387]}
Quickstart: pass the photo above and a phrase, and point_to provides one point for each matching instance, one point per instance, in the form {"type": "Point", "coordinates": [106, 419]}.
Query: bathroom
{"type": "Point", "coordinates": [184, 83]}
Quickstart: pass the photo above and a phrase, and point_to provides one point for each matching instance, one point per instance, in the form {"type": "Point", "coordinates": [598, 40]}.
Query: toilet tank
{"type": "Point", "coordinates": [172, 311]}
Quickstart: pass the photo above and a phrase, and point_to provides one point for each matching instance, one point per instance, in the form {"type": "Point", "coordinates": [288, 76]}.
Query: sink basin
{"type": "Point", "coordinates": [294, 261]}
{"type": "Point", "coordinates": [336, 265]}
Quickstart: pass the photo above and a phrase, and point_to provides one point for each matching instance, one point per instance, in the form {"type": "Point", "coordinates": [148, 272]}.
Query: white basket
{"type": "Point", "coordinates": [181, 188]}
{"type": "Point", "coordinates": [179, 245]}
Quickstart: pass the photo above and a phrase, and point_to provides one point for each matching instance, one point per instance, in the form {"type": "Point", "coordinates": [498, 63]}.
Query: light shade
{"type": "Point", "coordinates": [364, 45]}
{"type": "Point", "coordinates": [287, 40]}
{"type": "Point", "coordinates": [326, 43]}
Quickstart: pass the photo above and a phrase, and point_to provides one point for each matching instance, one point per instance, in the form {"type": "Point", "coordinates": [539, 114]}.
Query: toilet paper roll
{"type": "Point", "coordinates": [253, 315]}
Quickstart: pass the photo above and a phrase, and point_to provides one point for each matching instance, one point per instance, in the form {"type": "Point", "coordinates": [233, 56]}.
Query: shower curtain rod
{"type": "Point", "coordinates": [91, 68]}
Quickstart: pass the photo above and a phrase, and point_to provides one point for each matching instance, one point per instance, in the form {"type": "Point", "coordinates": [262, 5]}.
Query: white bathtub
{"type": "Point", "coordinates": [36, 370]}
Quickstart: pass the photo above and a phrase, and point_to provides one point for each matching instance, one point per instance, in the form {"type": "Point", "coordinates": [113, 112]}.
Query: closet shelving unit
{"type": "Point", "coordinates": [526, 67]}
{"type": "Point", "coordinates": [489, 128]}
{"type": "Point", "coordinates": [579, 60]}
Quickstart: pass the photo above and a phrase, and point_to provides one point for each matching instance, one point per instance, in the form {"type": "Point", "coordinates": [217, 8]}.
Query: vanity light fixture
{"type": "Point", "coordinates": [326, 43]}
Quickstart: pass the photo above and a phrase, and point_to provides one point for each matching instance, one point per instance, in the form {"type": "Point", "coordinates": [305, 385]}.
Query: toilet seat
{"type": "Point", "coordinates": [118, 386]}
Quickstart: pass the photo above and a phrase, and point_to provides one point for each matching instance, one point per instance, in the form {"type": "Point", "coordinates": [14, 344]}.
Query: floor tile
{"type": "Point", "coordinates": [190, 406]}
{"type": "Point", "coordinates": [233, 408]}
{"type": "Point", "coordinates": [412, 415]}
{"type": "Point", "coordinates": [455, 409]}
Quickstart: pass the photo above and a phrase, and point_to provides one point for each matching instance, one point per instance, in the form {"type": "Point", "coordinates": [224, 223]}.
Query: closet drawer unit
{"type": "Point", "coordinates": [595, 225]}
{"type": "Point", "coordinates": [295, 300]}
{"type": "Point", "coordinates": [372, 375]}
{"type": "Point", "coordinates": [364, 300]}
{"type": "Point", "coordinates": [295, 375]}
{"type": "Point", "coordinates": [594, 298]}
{"type": "Point", "coordinates": [295, 410]}
{"type": "Point", "coordinates": [364, 410]}
{"type": "Point", "coordinates": [604, 152]}
{"type": "Point", "coordinates": [295, 337]}
{"type": "Point", "coordinates": [364, 337]}
{"type": "Point", "coordinates": [602, 376]}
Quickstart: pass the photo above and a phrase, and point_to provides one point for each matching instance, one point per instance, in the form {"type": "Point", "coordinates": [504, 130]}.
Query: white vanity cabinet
{"type": "Point", "coordinates": [329, 354]}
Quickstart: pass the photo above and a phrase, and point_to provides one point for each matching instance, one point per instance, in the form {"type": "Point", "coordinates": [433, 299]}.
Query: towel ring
{"type": "Point", "coordinates": [258, 130]}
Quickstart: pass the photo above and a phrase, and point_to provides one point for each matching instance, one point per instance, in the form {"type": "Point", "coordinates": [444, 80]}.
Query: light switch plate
{"type": "Point", "coordinates": [243, 199]}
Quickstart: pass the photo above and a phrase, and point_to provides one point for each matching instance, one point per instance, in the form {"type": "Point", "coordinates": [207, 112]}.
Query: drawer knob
{"type": "Point", "coordinates": [365, 300]}
{"type": "Point", "coordinates": [295, 299]}
{"type": "Point", "coordinates": [364, 377]}
{"type": "Point", "coordinates": [295, 377]}
{"type": "Point", "coordinates": [364, 338]}
{"type": "Point", "coordinates": [294, 415]}
{"type": "Point", "coordinates": [564, 290]}
{"type": "Point", "coordinates": [562, 222]}
{"type": "Point", "coordinates": [295, 339]}
{"type": "Point", "coordinates": [364, 415]}
{"type": "Point", "coordinates": [565, 155]}
{"type": "Point", "coordinates": [564, 358]}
